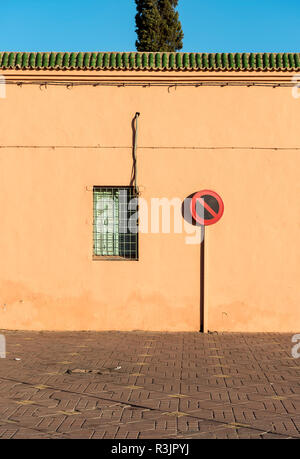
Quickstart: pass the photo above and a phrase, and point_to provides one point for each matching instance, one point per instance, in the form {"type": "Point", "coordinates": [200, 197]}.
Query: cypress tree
{"type": "Point", "coordinates": [147, 22]}
{"type": "Point", "coordinates": [158, 26]}
{"type": "Point", "coordinates": [171, 34]}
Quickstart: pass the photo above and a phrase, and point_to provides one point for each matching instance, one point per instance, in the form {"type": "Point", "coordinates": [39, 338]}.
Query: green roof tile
{"type": "Point", "coordinates": [291, 61]}
{"type": "Point", "coordinates": [52, 59]}
{"type": "Point", "coordinates": [86, 60]}
{"type": "Point", "coordinates": [165, 60]}
{"type": "Point", "coordinates": [11, 60]}
{"type": "Point", "coordinates": [72, 61]}
{"type": "Point", "coordinates": [132, 60]}
{"type": "Point", "coordinates": [198, 61]}
{"type": "Point", "coordinates": [266, 61]}
{"type": "Point", "coordinates": [152, 61]}
{"type": "Point", "coordinates": [66, 60]}
{"type": "Point", "coordinates": [192, 60]}
{"type": "Point", "coordinates": [93, 60]}
{"type": "Point", "coordinates": [211, 61]}
{"type": "Point", "coordinates": [157, 60]}
{"type": "Point", "coordinates": [278, 61]}
{"type": "Point", "coordinates": [186, 60]}
{"type": "Point", "coordinates": [245, 61]}
{"type": "Point", "coordinates": [224, 59]}
{"type": "Point", "coordinates": [285, 61]}
{"type": "Point", "coordinates": [79, 60]}
{"type": "Point", "coordinates": [59, 60]}
{"type": "Point", "coordinates": [125, 60]}
{"type": "Point", "coordinates": [39, 60]}
{"type": "Point", "coordinates": [231, 61]}
{"type": "Point", "coordinates": [272, 61]}
{"type": "Point", "coordinates": [238, 61]}
{"type": "Point", "coordinates": [99, 60]}
{"type": "Point", "coordinates": [18, 61]}
{"type": "Point", "coordinates": [258, 61]}
{"type": "Point", "coordinates": [145, 60]}
{"type": "Point", "coordinates": [218, 60]}
{"type": "Point", "coordinates": [172, 63]}
{"type": "Point", "coordinates": [4, 62]}
{"type": "Point", "coordinates": [178, 60]}
{"type": "Point", "coordinates": [252, 61]}
{"type": "Point", "coordinates": [138, 60]}
{"type": "Point", "coordinates": [25, 58]}
{"type": "Point", "coordinates": [119, 62]}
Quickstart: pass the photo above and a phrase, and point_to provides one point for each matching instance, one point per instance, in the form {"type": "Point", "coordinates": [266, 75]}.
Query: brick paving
{"type": "Point", "coordinates": [149, 385]}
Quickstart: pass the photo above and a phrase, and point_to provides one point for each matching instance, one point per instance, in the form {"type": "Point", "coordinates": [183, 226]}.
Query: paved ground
{"type": "Point", "coordinates": [149, 385]}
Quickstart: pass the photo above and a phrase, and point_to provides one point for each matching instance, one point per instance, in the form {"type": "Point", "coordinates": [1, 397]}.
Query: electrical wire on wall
{"type": "Point", "coordinates": [69, 84]}
{"type": "Point", "coordinates": [154, 147]}
{"type": "Point", "coordinates": [133, 181]}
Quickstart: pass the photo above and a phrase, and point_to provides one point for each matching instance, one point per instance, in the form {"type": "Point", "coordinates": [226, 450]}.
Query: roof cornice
{"type": "Point", "coordinates": [136, 61]}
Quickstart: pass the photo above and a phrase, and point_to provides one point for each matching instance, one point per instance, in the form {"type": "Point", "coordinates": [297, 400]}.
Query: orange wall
{"type": "Point", "coordinates": [48, 279]}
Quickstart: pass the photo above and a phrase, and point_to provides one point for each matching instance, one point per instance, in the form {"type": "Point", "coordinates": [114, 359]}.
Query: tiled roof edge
{"type": "Point", "coordinates": [149, 61]}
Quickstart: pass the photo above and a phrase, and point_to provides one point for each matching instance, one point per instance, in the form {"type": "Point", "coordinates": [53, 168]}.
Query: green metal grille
{"type": "Point", "coordinates": [115, 226]}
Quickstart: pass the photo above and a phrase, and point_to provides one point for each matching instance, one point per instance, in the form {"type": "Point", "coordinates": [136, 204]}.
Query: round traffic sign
{"type": "Point", "coordinates": [207, 207]}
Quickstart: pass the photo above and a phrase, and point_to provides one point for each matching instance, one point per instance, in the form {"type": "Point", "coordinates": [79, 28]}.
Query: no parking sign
{"type": "Point", "coordinates": [206, 208]}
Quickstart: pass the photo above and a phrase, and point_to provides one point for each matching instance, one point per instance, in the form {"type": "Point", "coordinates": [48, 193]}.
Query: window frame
{"type": "Point", "coordinates": [133, 194]}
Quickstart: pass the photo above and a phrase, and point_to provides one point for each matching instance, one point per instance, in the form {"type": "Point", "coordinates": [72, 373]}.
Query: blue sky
{"type": "Point", "coordinates": [108, 25]}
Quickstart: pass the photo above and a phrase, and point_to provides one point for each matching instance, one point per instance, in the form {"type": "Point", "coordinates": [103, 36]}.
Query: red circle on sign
{"type": "Point", "coordinates": [216, 216]}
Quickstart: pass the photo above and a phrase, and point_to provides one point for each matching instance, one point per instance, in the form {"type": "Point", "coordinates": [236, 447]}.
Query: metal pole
{"type": "Point", "coordinates": [202, 255]}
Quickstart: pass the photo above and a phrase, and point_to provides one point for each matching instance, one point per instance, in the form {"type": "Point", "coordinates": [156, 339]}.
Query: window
{"type": "Point", "coordinates": [115, 223]}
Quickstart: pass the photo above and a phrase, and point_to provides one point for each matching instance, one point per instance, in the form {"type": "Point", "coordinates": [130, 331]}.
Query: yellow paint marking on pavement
{"type": "Point", "coordinates": [221, 376]}
{"type": "Point", "coordinates": [278, 397]}
{"type": "Point", "coordinates": [178, 396]}
{"type": "Point", "coordinates": [219, 365]}
{"type": "Point", "coordinates": [8, 421]}
{"type": "Point", "coordinates": [178, 414]}
{"type": "Point", "coordinates": [235, 425]}
{"type": "Point", "coordinates": [68, 413]}
{"type": "Point", "coordinates": [52, 415]}
{"type": "Point", "coordinates": [25, 402]}
{"type": "Point", "coordinates": [53, 373]}
{"type": "Point", "coordinates": [136, 374]}
{"type": "Point", "coordinates": [134, 387]}
{"type": "Point", "coordinates": [141, 363]}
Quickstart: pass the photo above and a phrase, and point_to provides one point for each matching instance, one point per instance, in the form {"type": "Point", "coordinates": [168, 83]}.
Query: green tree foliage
{"type": "Point", "coordinates": [147, 25]}
{"type": "Point", "coordinates": [171, 34]}
{"type": "Point", "coordinates": [157, 26]}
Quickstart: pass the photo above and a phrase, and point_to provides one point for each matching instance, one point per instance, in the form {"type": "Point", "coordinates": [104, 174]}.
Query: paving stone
{"type": "Point", "coordinates": [150, 385]}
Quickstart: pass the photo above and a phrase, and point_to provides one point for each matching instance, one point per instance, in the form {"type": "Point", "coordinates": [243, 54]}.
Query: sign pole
{"type": "Point", "coordinates": [206, 208]}
{"type": "Point", "coordinates": [202, 255]}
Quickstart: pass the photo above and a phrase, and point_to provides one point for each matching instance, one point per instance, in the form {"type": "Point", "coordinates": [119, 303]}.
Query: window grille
{"type": "Point", "coordinates": [115, 223]}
